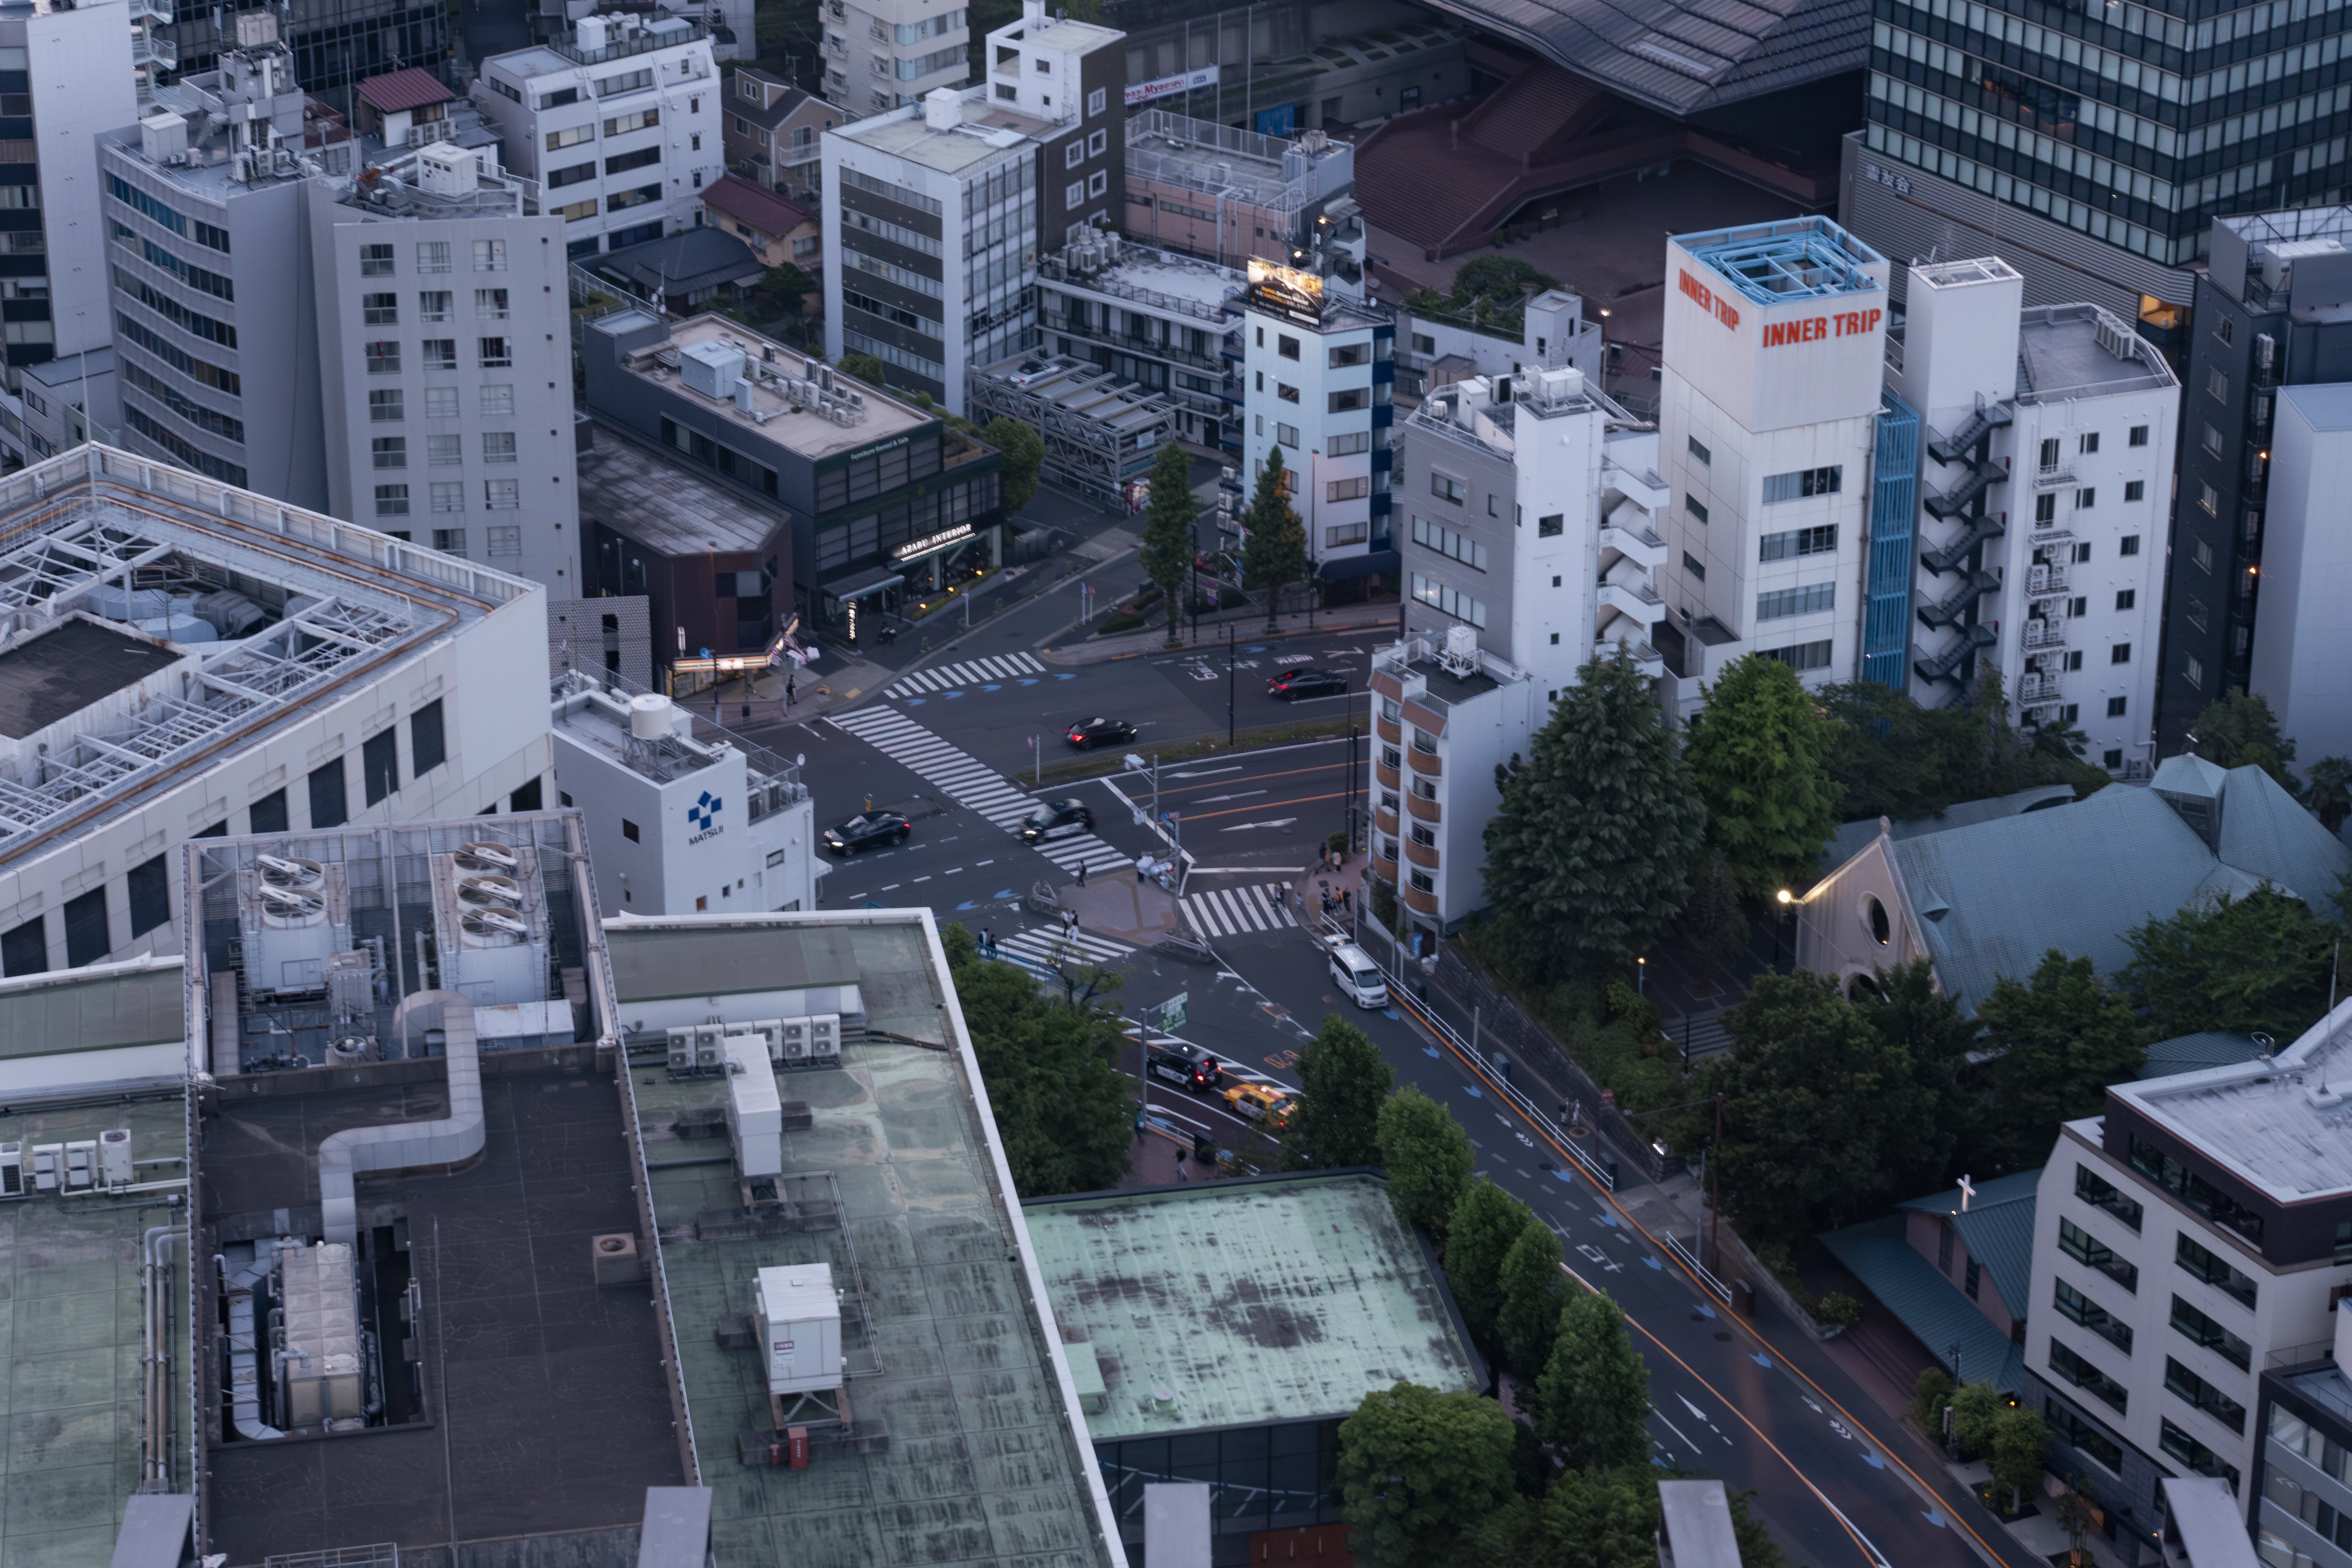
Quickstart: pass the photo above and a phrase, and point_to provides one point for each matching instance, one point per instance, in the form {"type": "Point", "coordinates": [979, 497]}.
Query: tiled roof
{"type": "Point", "coordinates": [754, 203]}
{"type": "Point", "coordinates": [1996, 1227]}
{"type": "Point", "coordinates": [780, 109]}
{"type": "Point", "coordinates": [414, 88]}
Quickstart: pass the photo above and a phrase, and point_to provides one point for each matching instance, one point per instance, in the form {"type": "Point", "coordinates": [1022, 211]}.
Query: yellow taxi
{"type": "Point", "coordinates": [1268, 1103]}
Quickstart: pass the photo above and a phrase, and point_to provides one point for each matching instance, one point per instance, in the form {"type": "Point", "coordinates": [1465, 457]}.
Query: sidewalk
{"type": "Point", "coordinates": [1122, 906]}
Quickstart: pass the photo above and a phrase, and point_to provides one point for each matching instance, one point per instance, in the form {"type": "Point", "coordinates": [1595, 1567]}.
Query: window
{"type": "Point", "coordinates": [380, 309]}
{"type": "Point", "coordinates": [2084, 500]}
{"type": "Point", "coordinates": [2085, 1248]}
{"type": "Point", "coordinates": [389, 451]}
{"type": "Point", "coordinates": [444, 451]}
{"type": "Point", "coordinates": [627, 81]}
{"type": "Point", "coordinates": [2204, 556]}
{"type": "Point", "coordinates": [1805, 600]}
{"type": "Point", "coordinates": [497, 354]}
{"type": "Point", "coordinates": [557, 99]}
{"type": "Point", "coordinates": [2194, 1190]}
{"type": "Point", "coordinates": [440, 353]}
{"type": "Point", "coordinates": [1097, 144]}
{"type": "Point", "coordinates": [1347, 489]}
{"type": "Point", "coordinates": [2198, 1329]}
{"type": "Point", "coordinates": [2185, 1385]}
{"type": "Point", "coordinates": [383, 358]}
{"type": "Point", "coordinates": [1819, 541]}
{"type": "Point", "coordinates": [498, 447]}
{"type": "Point", "coordinates": [1701, 453]}
{"type": "Point", "coordinates": [2201, 1263]}
{"type": "Point", "coordinates": [1348, 400]}
{"type": "Point", "coordinates": [1550, 527]}
{"type": "Point", "coordinates": [2193, 672]}
{"type": "Point", "coordinates": [498, 401]}
{"type": "Point", "coordinates": [2134, 490]}
{"type": "Point", "coordinates": [622, 164]}
{"type": "Point", "coordinates": [1287, 347]}
{"type": "Point", "coordinates": [1095, 100]}
{"type": "Point", "coordinates": [425, 747]}
{"type": "Point", "coordinates": [1286, 435]}
{"type": "Point", "coordinates": [2210, 438]}
{"type": "Point", "coordinates": [1692, 566]}
{"type": "Point", "coordinates": [1804, 482]}
{"type": "Point", "coordinates": [1073, 194]}
{"type": "Point", "coordinates": [384, 406]}
{"type": "Point", "coordinates": [573, 212]}
{"type": "Point", "coordinates": [450, 541]}
{"type": "Point", "coordinates": [2217, 384]}
{"type": "Point", "coordinates": [1450, 543]}
{"type": "Point", "coordinates": [491, 304]}
{"type": "Point", "coordinates": [2082, 551]}
{"type": "Point", "coordinates": [433, 305]}
{"type": "Point", "coordinates": [2139, 434]}
{"type": "Point", "coordinates": [2119, 653]}
{"type": "Point", "coordinates": [2225, 329]}
{"type": "Point", "coordinates": [2045, 510]}
{"type": "Point", "coordinates": [489, 255]}
{"type": "Point", "coordinates": [1803, 655]}
{"type": "Point", "coordinates": [2086, 1436]}
{"type": "Point", "coordinates": [1287, 394]}
{"type": "Point", "coordinates": [1074, 153]}
{"type": "Point", "coordinates": [501, 495]}
{"type": "Point", "coordinates": [375, 261]}
{"type": "Point", "coordinates": [448, 495]}
{"type": "Point", "coordinates": [380, 765]}
{"type": "Point", "coordinates": [2078, 606]}
{"type": "Point", "coordinates": [392, 500]}
{"type": "Point", "coordinates": [2048, 454]}
{"type": "Point", "coordinates": [503, 540]}
{"type": "Point", "coordinates": [1438, 595]}
{"type": "Point", "coordinates": [88, 940]}
{"type": "Point", "coordinates": [25, 949]}
{"type": "Point", "coordinates": [2180, 1445]}
{"type": "Point", "coordinates": [432, 255]}
{"type": "Point", "coordinates": [1346, 533]}
{"type": "Point", "coordinates": [151, 894]}
{"type": "Point", "coordinates": [2077, 1307]}
{"type": "Point", "coordinates": [2073, 1369]}
{"type": "Point", "coordinates": [1694, 505]}
{"type": "Point", "coordinates": [326, 802]}
{"type": "Point", "coordinates": [1446, 486]}
{"type": "Point", "coordinates": [2074, 659]}
{"type": "Point", "coordinates": [2115, 707]}
{"type": "Point", "coordinates": [2089, 443]}
{"type": "Point", "coordinates": [1975, 1277]}
{"type": "Point", "coordinates": [629, 830]}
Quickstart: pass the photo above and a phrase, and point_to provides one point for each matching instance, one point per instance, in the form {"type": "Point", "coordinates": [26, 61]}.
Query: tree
{"type": "Point", "coordinates": [1342, 1082]}
{"type": "Point", "coordinates": [866, 368]}
{"type": "Point", "coordinates": [1589, 852]}
{"type": "Point", "coordinates": [1890, 757]}
{"type": "Point", "coordinates": [1478, 1236]}
{"type": "Point", "coordinates": [1592, 1402]}
{"type": "Point", "coordinates": [2238, 730]}
{"type": "Point", "coordinates": [2021, 1445]}
{"type": "Point", "coordinates": [1167, 534]}
{"type": "Point", "coordinates": [1585, 1518]}
{"type": "Point", "coordinates": [2328, 783]}
{"type": "Point", "coordinates": [1976, 1407]}
{"type": "Point", "coordinates": [785, 288]}
{"type": "Point", "coordinates": [1417, 1469]}
{"type": "Point", "coordinates": [1427, 1157]}
{"type": "Point", "coordinates": [1024, 455]}
{"type": "Point", "coordinates": [1816, 1102]}
{"type": "Point", "coordinates": [1527, 1318]}
{"type": "Point", "coordinates": [2260, 963]}
{"type": "Point", "coordinates": [1273, 541]}
{"type": "Point", "coordinates": [1712, 921]}
{"type": "Point", "coordinates": [1758, 756]}
{"type": "Point", "coordinates": [1062, 1110]}
{"type": "Point", "coordinates": [1929, 1394]}
{"type": "Point", "coordinates": [2061, 1039]}
{"type": "Point", "coordinates": [1907, 1011]}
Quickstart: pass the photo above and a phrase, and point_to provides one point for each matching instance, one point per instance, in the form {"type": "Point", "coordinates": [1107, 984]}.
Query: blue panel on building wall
{"type": "Point", "coordinates": [1893, 507]}
{"type": "Point", "coordinates": [1276, 121]}
{"type": "Point", "coordinates": [1383, 414]}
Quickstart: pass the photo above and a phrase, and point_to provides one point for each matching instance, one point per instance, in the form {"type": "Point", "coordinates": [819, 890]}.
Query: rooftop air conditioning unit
{"type": "Point", "coordinates": [48, 1166]}
{"type": "Point", "coordinates": [114, 1162]}
{"type": "Point", "coordinates": [81, 1165]}
{"type": "Point", "coordinates": [824, 1037]}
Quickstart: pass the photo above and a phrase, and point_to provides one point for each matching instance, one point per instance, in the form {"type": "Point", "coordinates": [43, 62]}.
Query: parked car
{"type": "Point", "coordinates": [1090, 732]}
{"type": "Point", "coordinates": [1187, 1067]}
{"type": "Point", "coordinates": [867, 830]}
{"type": "Point", "coordinates": [1057, 820]}
{"type": "Point", "coordinates": [1292, 684]}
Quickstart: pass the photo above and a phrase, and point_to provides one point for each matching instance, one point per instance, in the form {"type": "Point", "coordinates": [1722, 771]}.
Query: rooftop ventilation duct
{"type": "Point", "coordinates": [411, 1145]}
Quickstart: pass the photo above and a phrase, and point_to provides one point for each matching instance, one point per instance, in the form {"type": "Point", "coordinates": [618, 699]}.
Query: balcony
{"type": "Point", "coordinates": [1645, 486]}
{"type": "Point", "coordinates": [1425, 810]}
{"type": "Point", "coordinates": [2038, 686]}
{"type": "Point", "coordinates": [835, 48]}
{"type": "Point", "coordinates": [2091, 1252]}
{"type": "Point", "coordinates": [1386, 729]}
{"type": "Point", "coordinates": [1386, 821]}
{"type": "Point", "coordinates": [1426, 762]}
{"type": "Point", "coordinates": [1419, 902]}
{"type": "Point", "coordinates": [2052, 476]}
{"type": "Point", "coordinates": [2046, 577]}
{"type": "Point", "coordinates": [1952, 556]}
{"type": "Point", "coordinates": [1384, 853]}
{"type": "Point", "coordinates": [2077, 1307]}
{"type": "Point", "coordinates": [1385, 775]}
{"type": "Point", "coordinates": [1647, 659]}
{"type": "Point", "coordinates": [1635, 542]}
{"type": "Point", "coordinates": [2042, 632]}
{"type": "Point", "coordinates": [1420, 854]}
{"type": "Point", "coordinates": [1636, 599]}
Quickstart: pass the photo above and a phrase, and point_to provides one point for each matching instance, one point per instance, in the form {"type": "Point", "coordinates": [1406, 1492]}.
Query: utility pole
{"type": "Point", "coordinates": [1714, 1190]}
{"type": "Point", "coordinates": [1230, 732]}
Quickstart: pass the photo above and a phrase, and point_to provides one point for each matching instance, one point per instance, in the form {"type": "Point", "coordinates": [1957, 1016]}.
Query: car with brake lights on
{"type": "Point", "coordinates": [1186, 1067]}
{"type": "Point", "coordinates": [1292, 684]}
{"type": "Point", "coordinates": [867, 830]}
{"type": "Point", "coordinates": [1057, 819]}
{"type": "Point", "coordinates": [1090, 732]}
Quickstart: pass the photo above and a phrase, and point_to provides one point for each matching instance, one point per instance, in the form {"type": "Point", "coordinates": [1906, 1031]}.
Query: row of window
{"type": "Point", "coordinates": [432, 257]}
{"type": "Point", "coordinates": [497, 495]}
{"type": "Point", "coordinates": [1778, 602]}
{"type": "Point", "coordinates": [209, 236]}
{"type": "Point", "coordinates": [181, 449]}
{"type": "Point", "coordinates": [502, 539]}
{"type": "Point", "coordinates": [441, 451]}
{"type": "Point", "coordinates": [178, 358]}
{"type": "Point", "coordinates": [615, 202]}
{"type": "Point", "coordinates": [195, 323]}
{"type": "Point", "coordinates": [440, 353]}
{"type": "Point", "coordinates": [434, 305]}
{"type": "Point", "coordinates": [1450, 543]}
{"type": "Point", "coordinates": [210, 421]}
{"type": "Point", "coordinates": [389, 405]}
{"type": "Point", "coordinates": [1821, 541]}
{"type": "Point", "coordinates": [1451, 600]}
{"type": "Point", "coordinates": [195, 277]}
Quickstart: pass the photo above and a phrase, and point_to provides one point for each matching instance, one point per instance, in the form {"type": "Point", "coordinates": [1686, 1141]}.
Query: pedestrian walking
{"type": "Point", "coordinates": [1082, 873]}
{"type": "Point", "coordinates": [790, 686]}
{"type": "Point", "coordinates": [987, 943]}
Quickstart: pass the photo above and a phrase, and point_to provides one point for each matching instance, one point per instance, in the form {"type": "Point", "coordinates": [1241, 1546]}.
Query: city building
{"type": "Point", "coordinates": [856, 498]}
{"type": "Point", "coordinates": [1955, 1269]}
{"type": "Point", "coordinates": [773, 130]}
{"type": "Point", "coordinates": [1284, 68]}
{"type": "Point", "coordinates": [881, 55]}
{"type": "Point", "coordinates": [771, 228]}
{"type": "Point", "coordinates": [1350, 1302]}
{"type": "Point", "coordinates": [1319, 362]}
{"type": "Point", "coordinates": [1434, 351]}
{"type": "Point", "coordinates": [63, 403]}
{"type": "Point", "coordinates": [695, 268]}
{"type": "Point", "coordinates": [1166, 323]}
{"type": "Point", "coordinates": [2096, 868]}
{"type": "Point", "coordinates": [1511, 599]}
{"type": "Point", "coordinates": [2195, 1235]}
{"type": "Point", "coordinates": [1101, 432]}
{"type": "Point", "coordinates": [192, 660]}
{"type": "Point", "coordinates": [2269, 315]}
{"type": "Point", "coordinates": [1771, 422]}
{"type": "Point", "coordinates": [2047, 437]}
{"type": "Point", "coordinates": [620, 123]}
{"type": "Point", "coordinates": [1226, 195]}
{"type": "Point", "coordinates": [938, 210]}
{"type": "Point", "coordinates": [406, 108]}
{"type": "Point", "coordinates": [682, 816]}
{"type": "Point", "coordinates": [2204, 1525]}
{"type": "Point", "coordinates": [2300, 1503]}
{"type": "Point", "coordinates": [2302, 657]}
{"type": "Point", "coordinates": [336, 44]}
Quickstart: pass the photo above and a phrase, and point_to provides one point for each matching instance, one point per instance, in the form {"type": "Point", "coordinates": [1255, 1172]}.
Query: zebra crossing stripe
{"type": "Point", "coordinates": [952, 677]}
{"type": "Point", "coordinates": [970, 784]}
{"type": "Point", "coordinates": [1237, 911]}
{"type": "Point", "coordinates": [1045, 942]}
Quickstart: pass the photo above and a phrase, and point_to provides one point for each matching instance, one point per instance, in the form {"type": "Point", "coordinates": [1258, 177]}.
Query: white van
{"type": "Point", "coordinates": [1354, 972]}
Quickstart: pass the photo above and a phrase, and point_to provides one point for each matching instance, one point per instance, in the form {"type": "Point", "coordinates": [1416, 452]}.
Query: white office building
{"type": "Point", "coordinates": [1318, 364]}
{"type": "Point", "coordinates": [184, 658]}
{"type": "Point", "coordinates": [881, 55]}
{"type": "Point", "coordinates": [1434, 351]}
{"type": "Point", "coordinates": [620, 124]}
{"type": "Point", "coordinates": [2047, 457]}
{"type": "Point", "coordinates": [682, 818]}
{"type": "Point", "coordinates": [2302, 647]}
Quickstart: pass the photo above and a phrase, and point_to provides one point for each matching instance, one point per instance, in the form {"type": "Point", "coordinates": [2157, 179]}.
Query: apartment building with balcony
{"type": "Point", "coordinates": [2192, 1238]}
{"type": "Point", "coordinates": [1168, 325]}
{"type": "Point", "coordinates": [1529, 537]}
{"type": "Point", "coordinates": [2047, 451]}
{"type": "Point", "coordinates": [2300, 1500]}
{"type": "Point", "coordinates": [620, 122]}
{"type": "Point", "coordinates": [881, 55]}
{"type": "Point", "coordinates": [773, 132]}
{"type": "Point", "coordinates": [1225, 194]}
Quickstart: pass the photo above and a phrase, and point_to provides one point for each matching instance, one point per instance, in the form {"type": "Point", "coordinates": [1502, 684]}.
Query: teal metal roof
{"type": "Point", "coordinates": [1926, 1303]}
{"type": "Point", "coordinates": [1996, 1227]}
{"type": "Point", "coordinates": [2194, 1053]}
{"type": "Point", "coordinates": [1853, 837]}
{"type": "Point", "coordinates": [2266, 832]}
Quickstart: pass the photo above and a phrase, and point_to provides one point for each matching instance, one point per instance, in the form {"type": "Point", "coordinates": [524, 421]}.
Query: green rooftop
{"type": "Point", "coordinates": [986, 1461]}
{"type": "Point", "coordinates": [1251, 1302]}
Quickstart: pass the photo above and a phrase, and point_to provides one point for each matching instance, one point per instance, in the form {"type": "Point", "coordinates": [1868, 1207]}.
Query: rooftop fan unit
{"type": "Point", "coordinates": [489, 891]}
{"type": "Point", "coordinates": [278, 871]}
{"type": "Point", "coordinates": [494, 927]}
{"type": "Point", "coordinates": [489, 922]}
{"type": "Point", "coordinates": [294, 916]}
{"type": "Point", "coordinates": [487, 857]}
{"type": "Point", "coordinates": [285, 906]}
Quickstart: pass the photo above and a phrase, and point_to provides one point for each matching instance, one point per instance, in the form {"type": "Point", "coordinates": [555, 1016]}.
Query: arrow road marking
{"type": "Point", "coordinates": [1246, 827]}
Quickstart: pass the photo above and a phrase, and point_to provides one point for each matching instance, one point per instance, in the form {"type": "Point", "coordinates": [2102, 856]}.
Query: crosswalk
{"type": "Point", "coordinates": [971, 785]}
{"type": "Point", "coordinates": [1235, 911]}
{"type": "Point", "coordinates": [971, 672]}
{"type": "Point", "coordinates": [1047, 944]}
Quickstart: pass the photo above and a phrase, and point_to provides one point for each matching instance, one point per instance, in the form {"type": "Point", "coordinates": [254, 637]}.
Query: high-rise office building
{"type": "Point", "coordinates": [335, 45]}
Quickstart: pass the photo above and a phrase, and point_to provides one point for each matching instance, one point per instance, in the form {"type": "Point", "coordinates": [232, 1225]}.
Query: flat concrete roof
{"type": "Point", "coordinates": [57, 673]}
{"type": "Point", "coordinates": [2283, 1122]}
{"type": "Point", "coordinates": [1250, 1302]}
{"type": "Point", "coordinates": [988, 133]}
{"type": "Point", "coordinates": [2062, 353]}
{"type": "Point", "coordinates": [636, 489]}
{"type": "Point", "coordinates": [774, 417]}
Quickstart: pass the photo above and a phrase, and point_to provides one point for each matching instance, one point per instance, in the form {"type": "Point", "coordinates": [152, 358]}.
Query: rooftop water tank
{"type": "Point", "coordinates": [650, 717]}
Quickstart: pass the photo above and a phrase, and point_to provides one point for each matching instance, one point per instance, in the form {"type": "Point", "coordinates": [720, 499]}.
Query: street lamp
{"type": "Point", "coordinates": [1788, 915]}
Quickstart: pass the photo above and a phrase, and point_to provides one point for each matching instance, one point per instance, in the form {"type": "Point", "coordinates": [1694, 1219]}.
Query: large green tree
{"type": "Point", "coordinates": [1427, 1157]}
{"type": "Point", "coordinates": [2060, 1037]}
{"type": "Point", "coordinates": [1585, 1518]}
{"type": "Point", "coordinates": [1533, 1291]}
{"type": "Point", "coordinates": [1065, 1113]}
{"type": "Point", "coordinates": [1909, 1011]}
{"type": "Point", "coordinates": [1419, 1469]}
{"type": "Point", "coordinates": [1025, 459]}
{"type": "Point", "coordinates": [2329, 791]}
{"type": "Point", "coordinates": [1816, 1106]}
{"type": "Point", "coordinates": [868, 368]}
{"type": "Point", "coordinates": [1588, 854]}
{"type": "Point", "coordinates": [2021, 1447]}
{"type": "Point", "coordinates": [1274, 543]}
{"type": "Point", "coordinates": [2260, 963]}
{"type": "Point", "coordinates": [1890, 757]}
{"type": "Point", "coordinates": [1758, 756]}
{"type": "Point", "coordinates": [1166, 539]}
{"type": "Point", "coordinates": [1592, 1402]}
{"type": "Point", "coordinates": [1343, 1081]}
{"type": "Point", "coordinates": [1478, 1236]}
{"type": "Point", "coordinates": [2238, 730]}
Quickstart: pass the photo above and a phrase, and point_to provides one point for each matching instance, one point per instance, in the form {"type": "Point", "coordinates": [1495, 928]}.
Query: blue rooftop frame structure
{"type": "Point", "coordinates": [1792, 259]}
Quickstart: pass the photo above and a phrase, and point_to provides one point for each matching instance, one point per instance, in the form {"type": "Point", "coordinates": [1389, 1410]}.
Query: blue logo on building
{"type": "Point", "coordinates": [705, 811]}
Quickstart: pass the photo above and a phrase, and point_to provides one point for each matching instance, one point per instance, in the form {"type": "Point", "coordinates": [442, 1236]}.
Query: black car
{"type": "Point", "coordinates": [1088, 732]}
{"type": "Point", "coordinates": [866, 831]}
{"type": "Point", "coordinates": [1058, 820]}
{"type": "Point", "coordinates": [1292, 684]}
{"type": "Point", "coordinates": [1187, 1067]}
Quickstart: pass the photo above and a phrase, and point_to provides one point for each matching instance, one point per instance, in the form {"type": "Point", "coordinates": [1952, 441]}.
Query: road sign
{"type": "Point", "coordinates": [1173, 1012]}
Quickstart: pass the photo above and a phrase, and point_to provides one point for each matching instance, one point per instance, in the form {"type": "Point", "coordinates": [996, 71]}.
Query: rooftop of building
{"type": "Point", "coordinates": [790, 405]}
{"type": "Point", "coordinates": [316, 601]}
{"type": "Point", "coordinates": [457, 176]}
{"type": "Point", "coordinates": [1445, 681]}
{"type": "Point", "coordinates": [598, 40]}
{"type": "Point", "coordinates": [661, 503]}
{"type": "Point", "coordinates": [1788, 259]}
{"type": "Point", "coordinates": [2067, 352]}
{"type": "Point", "coordinates": [1484, 411]}
{"type": "Point", "coordinates": [1064, 34]}
{"type": "Point", "coordinates": [1853, 837]}
{"type": "Point", "coordinates": [684, 264]}
{"type": "Point", "coordinates": [947, 1336]}
{"type": "Point", "coordinates": [755, 204]}
{"type": "Point", "coordinates": [2194, 1053]}
{"type": "Point", "coordinates": [784, 100]}
{"type": "Point", "coordinates": [1246, 1303]}
{"type": "Point", "coordinates": [1277, 172]}
{"type": "Point", "coordinates": [1963, 274]}
{"type": "Point", "coordinates": [593, 711]}
{"type": "Point", "coordinates": [69, 370]}
{"type": "Point", "coordinates": [410, 88]}
{"type": "Point", "coordinates": [2205, 1523]}
{"type": "Point", "coordinates": [986, 133]}
{"type": "Point", "coordinates": [2324, 406]}
{"type": "Point", "coordinates": [1078, 387]}
{"type": "Point", "coordinates": [2324, 1386]}
{"type": "Point", "coordinates": [1153, 280]}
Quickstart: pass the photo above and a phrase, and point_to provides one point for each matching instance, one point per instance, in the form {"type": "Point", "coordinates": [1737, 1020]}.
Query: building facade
{"type": "Point", "coordinates": [335, 43]}
{"type": "Point", "coordinates": [2302, 657]}
{"type": "Point", "coordinates": [773, 133]}
{"type": "Point", "coordinates": [2301, 1504]}
{"type": "Point", "coordinates": [774, 230]}
{"type": "Point", "coordinates": [881, 55]}
{"type": "Point", "coordinates": [620, 122]}
{"type": "Point", "coordinates": [1434, 351]}
{"type": "Point", "coordinates": [1166, 323]}
{"type": "Point", "coordinates": [1225, 194]}
{"type": "Point", "coordinates": [1320, 369]}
